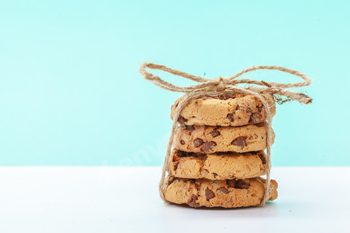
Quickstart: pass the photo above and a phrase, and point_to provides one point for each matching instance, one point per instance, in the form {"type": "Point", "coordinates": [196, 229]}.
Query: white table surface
{"type": "Point", "coordinates": [125, 199]}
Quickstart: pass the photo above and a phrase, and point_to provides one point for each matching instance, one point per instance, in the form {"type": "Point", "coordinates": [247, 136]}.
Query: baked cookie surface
{"type": "Point", "coordinates": [225, 110]}
{"type": "Point", "coordinates": [211, 139]}
{"type": "Point", "coordinates": [219, 166]}
{"type": "Point", "coordinates": [218, 193]}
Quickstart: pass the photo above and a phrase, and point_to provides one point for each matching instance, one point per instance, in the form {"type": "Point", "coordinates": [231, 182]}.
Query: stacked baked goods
{"type": "Point", "coordinates": [218, 153]}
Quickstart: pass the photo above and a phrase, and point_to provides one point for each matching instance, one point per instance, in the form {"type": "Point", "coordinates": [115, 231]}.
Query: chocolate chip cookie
{"type": "Point", "coordinates": [219, 166]}
{"type": "Point", "coordinates": [218, 193]}
{"type": "Point", "coordinates": [211, 139]}
{"type": "Point", "coordinates": [224, 110]}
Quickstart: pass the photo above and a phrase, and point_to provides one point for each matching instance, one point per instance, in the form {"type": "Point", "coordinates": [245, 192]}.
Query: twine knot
{"type": "Point", "coordinates": [214, 87]}
{"type": "Point", "coordinates": [221, 83]}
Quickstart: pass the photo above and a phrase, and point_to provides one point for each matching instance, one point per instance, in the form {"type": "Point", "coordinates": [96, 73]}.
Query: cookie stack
{"type": "Point", "coordinates": [218, 153]}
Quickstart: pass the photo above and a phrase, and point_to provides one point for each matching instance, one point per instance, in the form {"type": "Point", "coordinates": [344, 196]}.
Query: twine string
{"type": "Point", "coordinates": [218, 86]}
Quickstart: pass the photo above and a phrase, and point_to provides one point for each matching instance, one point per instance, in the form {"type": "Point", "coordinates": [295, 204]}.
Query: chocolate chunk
{"type": "Point", "coordinates": [190, 128]}
{"type": "Point", "coordinates": [193, 200]}
{"type": "Point", "coordinates": [254, 118]}
{"type": "Point", "coordinates": [240, 184]}
{"type": "Point", "coordinates": [230, 117]}
{"type": "Point", "coordinates": [182, 120]}
{"type": "Point", "coordinates": [182, 142]}
{"type": "Point", "coordinates": [262, 157]}
{"type": "Point", "coordinates": [214, 174]}
{"type": "Point", "coordinates": [260, 108]}
{"type": "Point", "coordinates": [215, 133]}
{"type": "Point", "coordinates": [194, 197]}
{"type": "Point", "coordinates": [240, 141]}
{"type": "Point", "coordinates": [203, 156]}
{"type": "Point", "coordinates": [209, 194]}
{"type": "Point", "coordinates": [197, 142]}
{"type": "Point", "coordinates": [207, 146]}
{"type": "Point", "coordinates": [223, 190]}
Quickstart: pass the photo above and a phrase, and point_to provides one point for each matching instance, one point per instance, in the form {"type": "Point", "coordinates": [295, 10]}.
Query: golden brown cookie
{"type": "Point", "coordinates": [211, 139]}
{"type": "Point", "coordinates": [220, 166]}
{"type": "Point", "coordinates": [225, 110]}
{"type": "Point", "coordinates": [218, 193]}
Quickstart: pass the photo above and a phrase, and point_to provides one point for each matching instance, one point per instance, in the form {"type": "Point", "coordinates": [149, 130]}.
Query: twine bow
{"type": "Point", "coordinates": [219, 86]}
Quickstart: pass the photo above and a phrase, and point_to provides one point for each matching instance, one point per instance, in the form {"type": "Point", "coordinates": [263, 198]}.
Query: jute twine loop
{"type": "Point", "coordinates": [219, 86]}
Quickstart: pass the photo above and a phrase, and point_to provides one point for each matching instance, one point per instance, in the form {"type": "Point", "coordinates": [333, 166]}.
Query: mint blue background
{"type": "Point", "coordinates": [71, 94]}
